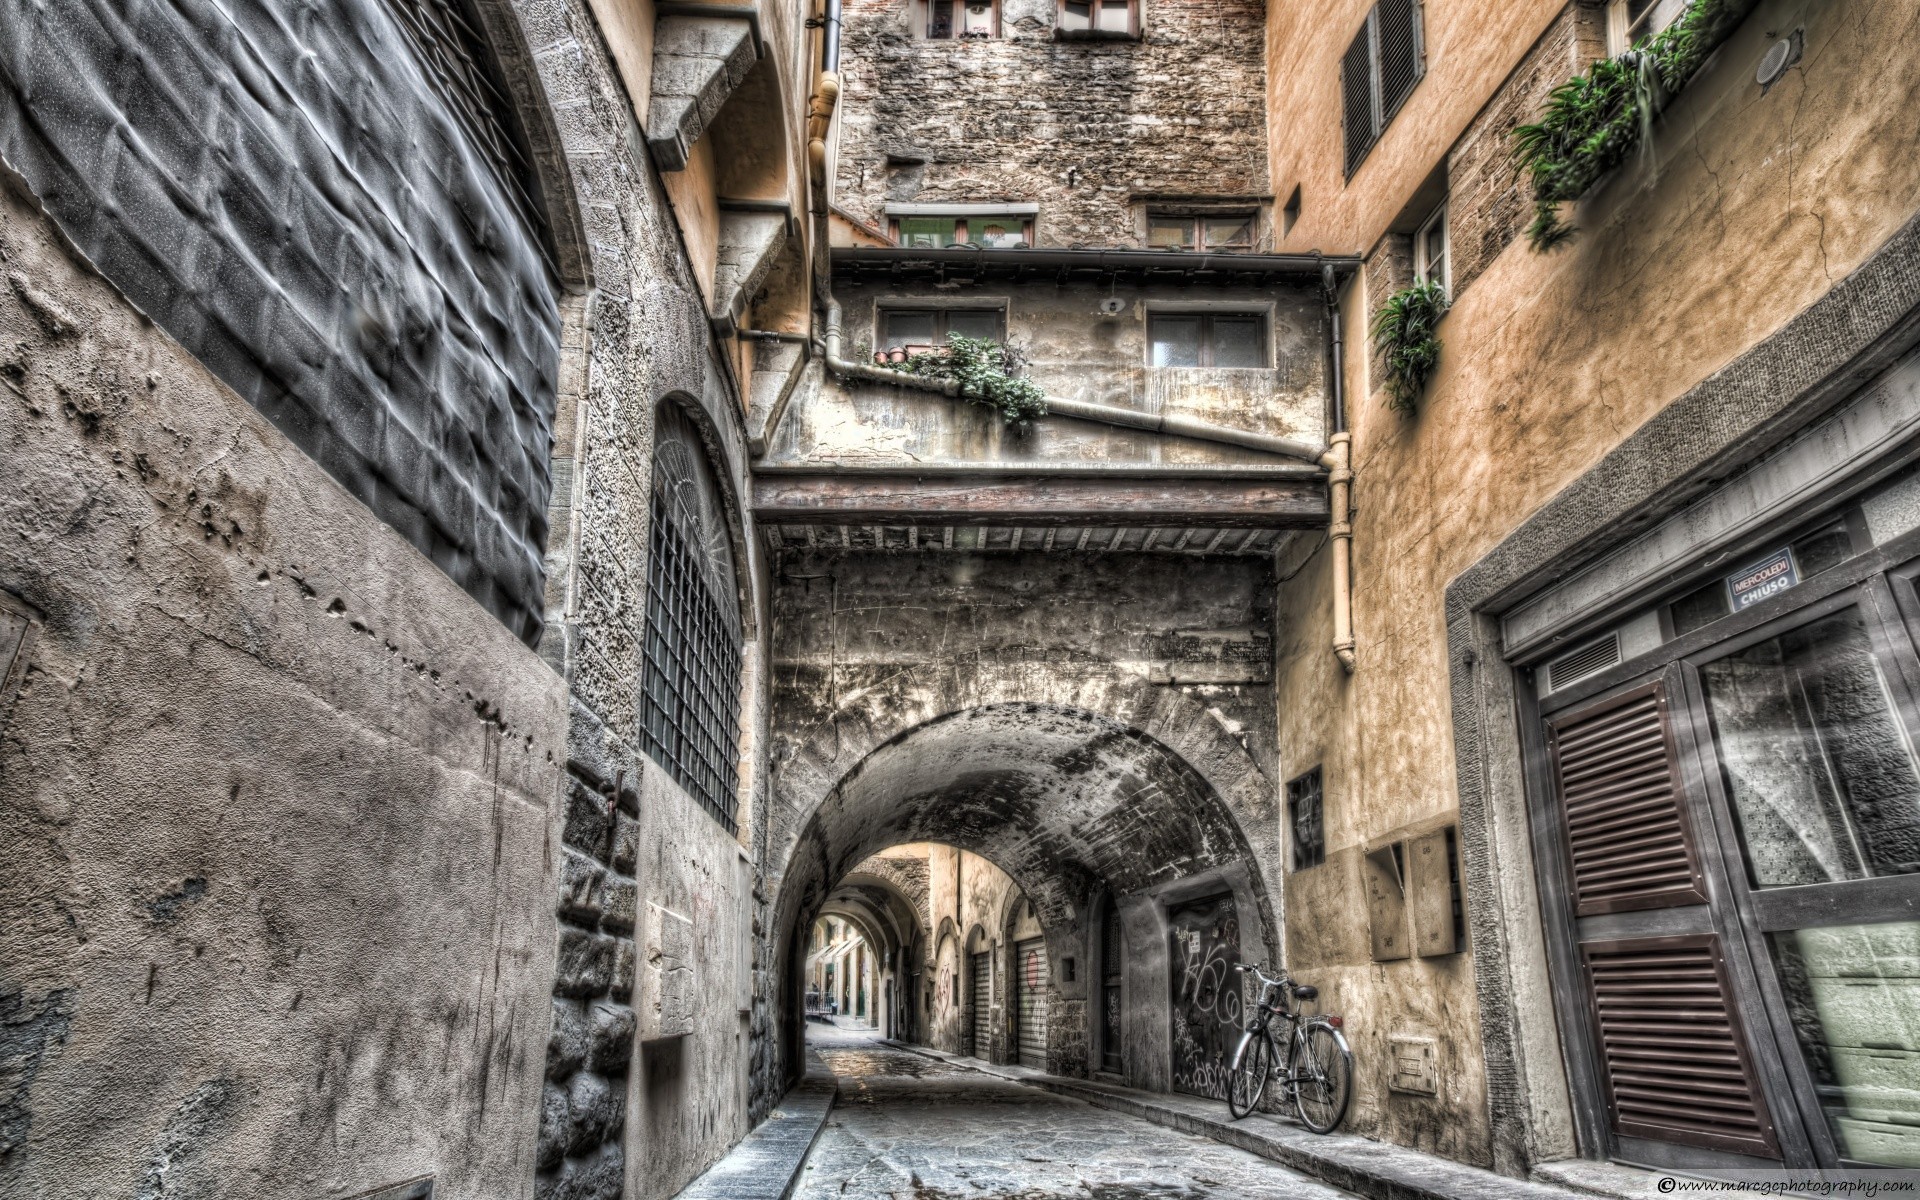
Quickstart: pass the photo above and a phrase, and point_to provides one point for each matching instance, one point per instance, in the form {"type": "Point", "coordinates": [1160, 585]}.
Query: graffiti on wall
{"type": "Point", "coordinates": [1205, 938]}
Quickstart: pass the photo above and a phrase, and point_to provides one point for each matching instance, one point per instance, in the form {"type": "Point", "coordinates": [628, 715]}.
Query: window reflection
{"type": "Point", "coordinates": [1819, 768]}
{"type": "Point", "coordinates": [1853, 994]}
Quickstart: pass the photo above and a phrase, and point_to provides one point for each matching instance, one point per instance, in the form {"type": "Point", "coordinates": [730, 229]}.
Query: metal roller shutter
{"type": "Point", "coordinates": [982, 968]}
{"type": "Point", "coordinates": [1030, 987]}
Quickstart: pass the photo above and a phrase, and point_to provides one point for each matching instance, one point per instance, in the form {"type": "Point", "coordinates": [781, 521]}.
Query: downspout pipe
{"type": "Point", "coordinates": [1106, 414]}
{"type": "Point", "coordinates": [1339, 464]}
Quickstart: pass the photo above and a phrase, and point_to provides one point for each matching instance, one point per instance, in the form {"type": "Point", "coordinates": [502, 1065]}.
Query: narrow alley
{"type": "Point", "coordinates": [909, 1127]}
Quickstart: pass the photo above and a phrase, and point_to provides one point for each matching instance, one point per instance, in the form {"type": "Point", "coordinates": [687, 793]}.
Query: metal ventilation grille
{"type": "Point", "coordinates": [1399, 22]}
{"type": "Point", "coordinates": [1590, 659]}
{"type": "Point", "coordinates": [1676, 1063]}
{"type": "Point", "coordinates": [1615, 772]}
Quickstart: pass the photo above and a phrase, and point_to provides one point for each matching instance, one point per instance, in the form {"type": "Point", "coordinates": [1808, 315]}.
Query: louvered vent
{"type": "Point", "coordinates": [1356, 86]}
{"type": "Point", "coordinates": [1590, 659]}
{"type": "Point", "coordinates": [1676, 1063]}
{"type": "Point", "coordinates": [1616, 778]}
{"type": "Point", "coordinates": [1399, 22]}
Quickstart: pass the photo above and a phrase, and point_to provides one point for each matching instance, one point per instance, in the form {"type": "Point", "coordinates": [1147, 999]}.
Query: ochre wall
{"type": "Point", "coordinates": [1760, 202]}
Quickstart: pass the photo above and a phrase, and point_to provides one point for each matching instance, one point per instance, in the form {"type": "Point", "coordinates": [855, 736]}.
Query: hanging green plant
{"type": "Point", "coordinates": [1403, 331]}
{"type": "Point", "coordinates": [987, 372]}
{"type": "Point", "coordinates": [1594, 122]}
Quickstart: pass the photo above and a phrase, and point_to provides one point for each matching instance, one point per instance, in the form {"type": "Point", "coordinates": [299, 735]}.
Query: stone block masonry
{"type": "Point", "coordinates": [1086, 128]}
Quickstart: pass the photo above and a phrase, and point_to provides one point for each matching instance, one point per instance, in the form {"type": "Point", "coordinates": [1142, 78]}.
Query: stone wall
{"type": "Point", "coordinates": [1082, 127]}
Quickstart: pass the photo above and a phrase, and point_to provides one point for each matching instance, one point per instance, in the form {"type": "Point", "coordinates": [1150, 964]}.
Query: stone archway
{"type": "Point", "coordinates": [1070, 804]}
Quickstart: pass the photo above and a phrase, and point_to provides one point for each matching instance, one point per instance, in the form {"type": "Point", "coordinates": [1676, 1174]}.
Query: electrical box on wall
{"type": "Point", "coordinates": [1412, 1060]}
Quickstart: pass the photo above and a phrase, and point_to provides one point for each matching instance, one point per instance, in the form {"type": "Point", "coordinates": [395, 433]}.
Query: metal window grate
{"type": "Point", "coordinates": [1306, 813]}
{"type": "Point", "coordinates": [690, 688]}
{"type": "Point", "coordinates": [1590, 659]}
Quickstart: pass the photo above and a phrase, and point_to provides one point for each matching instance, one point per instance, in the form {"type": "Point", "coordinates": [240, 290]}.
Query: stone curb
{"type": "Point", "coordinates": [1360, 1165]}
{"type": "Point", "coordinates": [766, 1164]}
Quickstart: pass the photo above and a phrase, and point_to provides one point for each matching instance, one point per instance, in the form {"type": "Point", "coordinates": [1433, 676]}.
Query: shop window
{"type": "Point", "coordinates": [1097, 18]}
{"type": "Point", "coordinates": [1009, 232]}
{"type": "Point", "coordinates": [962, 19]}
{"type": "Point", "coordinates": [1629, 22]}
{"type": "Point", "coordinates": [690, 673]}
{"type": "Point", "coordinates": [1306, 818]}
{"type": "Point", "coordinates": [1172, 231]}
{"type": "Point", "coordinates": [906, 331]}
{"type": "Point", "coordinates": [1822, 779]}
{"type": "Point", "coordinates": [1207, 340]}
{"type": "Point", "coordinates": [1431, 263]}
{"type": "Point", "coordinates": [1378, 72]}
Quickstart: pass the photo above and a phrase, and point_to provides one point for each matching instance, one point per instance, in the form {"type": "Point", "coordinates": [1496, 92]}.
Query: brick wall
{"type": "Point", "coordinates": [1077, 126]}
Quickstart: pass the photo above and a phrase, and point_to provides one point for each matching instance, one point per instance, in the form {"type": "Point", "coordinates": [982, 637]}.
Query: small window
{"type": "Point", "coordinates": [920, 329]}
{"type": "Point", "coordinates": [962, 19]}
{"type": "Point", "coordinates": [1207, 340]}
{"type": "Point", "coordinates": [1630, 22]}
{"type": "Point", "coordinates": [1306, 816]}
{"type": "Point", "coordinates": [1290, 215]}
{"type": "Point", "coordinates": [1232, 231]}
{"type": "Point", "coordinates": [1430, 261]}
{"type": "Point", "coordinates": [1377, 74]}
{"type": "Point", "coordinates": [1096, 18]}
{"type": "Point", "coordinates": [994, 232]}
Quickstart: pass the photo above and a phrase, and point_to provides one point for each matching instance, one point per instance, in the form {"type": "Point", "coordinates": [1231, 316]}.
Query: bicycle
{"type": "Point", "coordinates": [1319, 1066]}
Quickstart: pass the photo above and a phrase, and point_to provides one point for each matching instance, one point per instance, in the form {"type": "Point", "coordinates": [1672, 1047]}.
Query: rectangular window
{"type": "Point", "coordinates": [1232, 231]}
{"type": "Point", "coordinates": [1378, 72]}
{"type": "Point", "coordinates": [1430, 259]}
{"type": "Point", "coordinates": [962, 19]}
{"type": "Point", "coordinates": [1306, 817]}
{"type": "Point", "coordinates": [993, 232]}
{"type": "Point", "coordinates": [1207, 340]}
{"type": "Point", "coordinates": [1096, 18]}
{"type": "Point", "coordinates": [1630, 22]}
{"type": "Point", "coordinates": [919, 329]}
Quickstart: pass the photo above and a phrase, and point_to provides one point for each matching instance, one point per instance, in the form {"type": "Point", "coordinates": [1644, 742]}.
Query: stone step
{"type": "Point", "coordinates": [767, 1162]}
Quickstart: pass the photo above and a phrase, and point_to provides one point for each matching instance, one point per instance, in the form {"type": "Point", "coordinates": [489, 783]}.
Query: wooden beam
{"type": "Point", "coordinates": [1040, 500]}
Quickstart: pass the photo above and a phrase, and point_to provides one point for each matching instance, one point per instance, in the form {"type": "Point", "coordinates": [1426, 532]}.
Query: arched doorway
{"type": "Point", "coordinates": [1073, 807]}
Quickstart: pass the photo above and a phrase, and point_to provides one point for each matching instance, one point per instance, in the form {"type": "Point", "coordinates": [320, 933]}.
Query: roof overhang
{"type": "Point", "coordinates": [1062, 265]}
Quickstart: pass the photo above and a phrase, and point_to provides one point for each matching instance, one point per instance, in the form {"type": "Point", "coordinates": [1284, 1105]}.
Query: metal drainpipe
{"type": "Point", "coordinates": [1106, 414]}
{"type": "Point", "coordinates": [1339, 464]}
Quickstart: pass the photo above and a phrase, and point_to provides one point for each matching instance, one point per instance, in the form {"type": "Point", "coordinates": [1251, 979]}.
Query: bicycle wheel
{"type": "Point", "coordinates": [1323, 1078]}
{"type": "Point", "coordinates": [1248, 1082]}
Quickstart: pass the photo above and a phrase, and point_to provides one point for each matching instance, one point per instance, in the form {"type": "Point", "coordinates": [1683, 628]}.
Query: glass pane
{"type": "Point", "coordinates": [998, 234]}
{"type": "Point", "coordinates": [1819, 768]}
{"type": "Point", "coordinates": [975, 323]}
{"type": "Point", "coordinates": [1223, 232]}
{"type": "Point", "coordinates": [1076, 14]}
{"type": "Point", "coordinates": [1821, 550]}
{"type": "Point", "coordinates": [940, 19]}
{"type": "Point", "coordinates": [907, 328]}
{"type": "Point", "coordinates": [1853, 993]}
{"type": "Point", "coordinates": [926, 233]}
{"type": "Point", "coordinates": [1114, 15]}
{"type": "Point", "coordinates": [978, 21]}
{"type": "Point", "coordinates": [1170, 232]}
{"type": "Point", "coordinates": [1176, 341]}
{"type": "Point", "coordinates": [1239, 342]}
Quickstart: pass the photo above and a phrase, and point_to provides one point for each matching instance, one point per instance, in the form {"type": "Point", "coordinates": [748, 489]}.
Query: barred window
{"type": "Point", "coordinates": [690, 687]}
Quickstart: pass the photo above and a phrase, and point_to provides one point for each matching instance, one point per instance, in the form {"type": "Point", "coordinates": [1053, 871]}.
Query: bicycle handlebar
{"type": "Point", "coordinates": [1262, 976]}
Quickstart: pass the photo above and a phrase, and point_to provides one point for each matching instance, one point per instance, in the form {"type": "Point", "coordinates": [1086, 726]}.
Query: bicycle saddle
{"type": "Point", "coordinates": [1305, 991]}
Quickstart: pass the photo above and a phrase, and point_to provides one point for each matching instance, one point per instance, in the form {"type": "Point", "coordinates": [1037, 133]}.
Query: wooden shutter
{"type": "Point", "coordinates": [1619, 788]}
{"type": "Point", "coordinates": [1356, 88]}
{"type": "Point", "coordinates": [1399, 24]}
{"type": "Point", "coordinates": [1676, 1061]}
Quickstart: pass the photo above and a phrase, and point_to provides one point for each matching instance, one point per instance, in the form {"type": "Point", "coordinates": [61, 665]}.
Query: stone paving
{"type": "Point", "coordinates": [911, 1128]}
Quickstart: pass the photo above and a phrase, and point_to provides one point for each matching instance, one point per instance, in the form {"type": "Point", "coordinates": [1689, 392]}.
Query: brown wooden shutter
{"type": "Point", "coordinates": [1676, 1060]}
{"type": "Point", "coordinates": [1615, 773]}
{"type": "Point", "coordinates": [1356, 89]}
{"type": "Point", "coordinates": [1399, 22]}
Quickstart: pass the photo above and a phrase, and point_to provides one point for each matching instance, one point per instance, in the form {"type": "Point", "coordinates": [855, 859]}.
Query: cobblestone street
{"type": "Point", "coordinates": [909, 1128]}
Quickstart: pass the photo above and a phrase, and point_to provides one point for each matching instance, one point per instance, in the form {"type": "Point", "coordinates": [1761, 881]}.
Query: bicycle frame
{"type": "Point", "coordinates": [1297, 1025]}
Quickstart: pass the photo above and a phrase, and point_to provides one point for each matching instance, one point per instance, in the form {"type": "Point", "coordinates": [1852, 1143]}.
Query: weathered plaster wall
{"type": "Point", "coordinates": [277, 796]}
{"type": "Point", "coordinates": [1763, 201]}
{"type": "Point", "coordinates": [1084, 128]}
